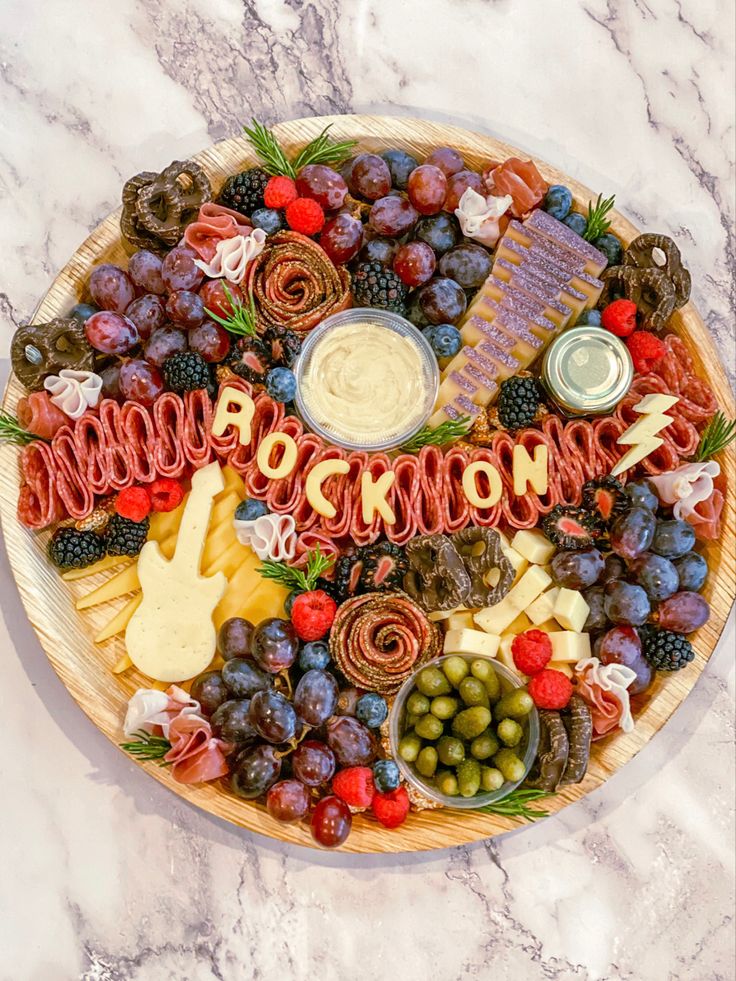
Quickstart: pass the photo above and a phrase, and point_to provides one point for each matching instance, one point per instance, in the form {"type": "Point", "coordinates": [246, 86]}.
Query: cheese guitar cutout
{"type": "Point", "coordinates": [171, 636]}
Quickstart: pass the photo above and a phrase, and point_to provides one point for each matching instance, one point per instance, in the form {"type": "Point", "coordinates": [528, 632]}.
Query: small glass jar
{"type": "Point", "coordinates": [509, 681]}
{"type": "Point", "coordinates": [587, 371]}
{"type": "Point", "coordinates": [367, 379]}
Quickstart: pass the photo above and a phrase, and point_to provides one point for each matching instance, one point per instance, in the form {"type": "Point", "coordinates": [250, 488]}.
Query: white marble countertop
{"type": "Point", "coordinates": [107, 876]}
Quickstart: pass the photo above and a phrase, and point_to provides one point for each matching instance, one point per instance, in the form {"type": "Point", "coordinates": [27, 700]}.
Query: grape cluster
{"type": "Point", "coordinates": [651, 577]}
{"type": "Point", "coordinates": [281, 709]}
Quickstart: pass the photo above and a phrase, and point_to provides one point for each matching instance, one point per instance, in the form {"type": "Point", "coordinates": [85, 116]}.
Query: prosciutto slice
{"type": "Point", "coordinates": [195, 755]}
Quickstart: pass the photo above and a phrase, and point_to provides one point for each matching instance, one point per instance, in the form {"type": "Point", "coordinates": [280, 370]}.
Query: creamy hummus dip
{"type": "Point", "coordinates": [365, 383]}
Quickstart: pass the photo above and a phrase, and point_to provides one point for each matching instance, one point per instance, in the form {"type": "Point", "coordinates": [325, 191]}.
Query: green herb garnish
{"type": "Point", "coordinates": [716, 436]}
{"type": "Point", "coordinates": [598, 224]}
{"type": "Point", "coordinates": [147, 747]}
{"type": "Point", "coordinates": [11, 431]}
{"type": "Point", "coordinates": [446, 432]}
{"type": "Point", "coordinates": [321, 150]}
{"type": "Point", "coordinates": [517, 805]}
{"type": "Point", "coordinates": [242, 320]}
{"type": "Point", "coordinates": [296, 578]}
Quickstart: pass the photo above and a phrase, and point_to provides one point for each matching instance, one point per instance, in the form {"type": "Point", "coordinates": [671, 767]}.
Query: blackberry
{"type": "Point", "coordinates": [187, 372]}
{"type": "Point", "coordinates": [348, 570]}
{"type": "Point", "coordinates": [286, 346]}
{"type": "Point", "coordinates": [243, 192]}
{"type": "Point", "coordinates": [665, 650]}
{"type": "Point", "coordinates": [605, 498]}
{"type": "Point", "coordinates": [376, 286]}
{"type": "Point", "coordinates": [570, 527]}
{"type": "Point", "coordinates": [125, 537]}
{"type": "Point", "coordinates": [72, 549]}
{"type": "Point", "coordinates": [251, 359]}
{"type": "Point", "coordinates": [518, 402]}
{"type": "Point", "coordinates": [384, 567]}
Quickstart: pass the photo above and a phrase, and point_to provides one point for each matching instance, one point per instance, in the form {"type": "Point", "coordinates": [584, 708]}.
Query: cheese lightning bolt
{"type": "Point", "coordinates": [642, 436]}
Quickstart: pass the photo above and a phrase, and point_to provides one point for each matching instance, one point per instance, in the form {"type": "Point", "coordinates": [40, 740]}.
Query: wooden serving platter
{"type": "Point", "coordinates": [85, 669]}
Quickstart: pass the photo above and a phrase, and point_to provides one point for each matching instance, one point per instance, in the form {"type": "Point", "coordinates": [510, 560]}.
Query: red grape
{"type": "Point", "coordinates": [111, 287]}
{"type": "Point", "coordinates": [111, 333]}
{"type": "Point", "coordinates": [393, 216]}
{"type": "Point", "coordinates": [323, 184]}
{"type": "Point", "coordinates": [215, 298]}
{"type": "Point", "coordinates": [683, 612]}
{"type": "Point", "coordinates": [313, 763]}
{"type": "Point", "coordinates": [111, 382]}
{"type": "Point", "coordinates": [164, 342]}
{"type": "Point", "coordinates": [458, 184]}
{"type": "Point", "coordinates": [622, 645]}
{"type": "Point", "coordinates": [427, 189]}
{"type": "Point", "coordinates": [448, 160]}
{"type": "Point", "coordinates": [210, 340]}
{"type": "Point", "coordinates": [342, 238]}
{"type": "Point", "coordinates": [144, 268]}
{"type": "Point", "coordinates": [147, 313]}
{"type": "Point", "coordinates": [633, 532]}
{"type": "Point", "coordinates": [210, 691]}
{"type": "Point", "coordinates": [352, 743]}
{"type": "Point", "coordinates": [185, 308]}
{"type": "Point", "coordinates": [315, 698]}
{"type": "Point", "coordinates": [179, 271]}
{"type": "Point", "coordinates": [141, 381]}
{"type": "Point", "coordinates": [288, 801]}
{"type": "Point", "coordinates": [235, 638]}
{"type": "Point", "coordinates": [331, 822]}
{"type": "Point", "coordinates": [370, 176]}
{"type": "Point", "coordinates": [414, 263]}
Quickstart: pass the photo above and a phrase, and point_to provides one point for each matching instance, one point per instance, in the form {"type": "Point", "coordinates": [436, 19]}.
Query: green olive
{"type": "Point", "coordinates": [444, 707]}
{"type": "Point", "coordinates": [484, 671]}
{"type": "Point", "coordinates": [451, 751]}
{"type": "Point", "coordinates": [468, 778]}
{"type": "Point", "coordinates": [471, 722]}
{"type": "Point", "coordinates": [417, 704]}
{"type": "Point", "coordinates": [491, 778]}
{"type": "Point", "coordinates": [429, 727]}
{"type": "Point", "coordinates": [426, 762]}
{"type": "Point", "coordinates": [515, 704]}
{"type": "Point", "coordinates": [509, 764]}
{"type": "Point", "coordinates": [431, 681]}
{"type": "Point", "coordinates": [484, 746]}
{"type": "Point", "coordinates": [409, 747]}
{"type": "Point", "coordinates": [446, 783]}
{"type": "Point", "coordinates": [473, 692]}
{"type": "Point", "coordinates": [509, 732]}
{"type": "Point", "coordinates": [455, 668]}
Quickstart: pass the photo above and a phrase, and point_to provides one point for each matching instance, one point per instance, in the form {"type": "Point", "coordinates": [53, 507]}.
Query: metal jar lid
{"type": "Point", "coordinates": [587, 371]}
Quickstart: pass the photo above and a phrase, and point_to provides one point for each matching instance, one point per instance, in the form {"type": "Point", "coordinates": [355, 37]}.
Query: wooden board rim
{"type": "Point", "coordinates": [48, 602]}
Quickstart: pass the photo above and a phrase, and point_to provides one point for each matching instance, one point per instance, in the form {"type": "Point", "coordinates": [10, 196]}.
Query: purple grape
{"type": "Point", "coordinates": [275, 645]}
{"type": "Point", "coordinates": [692, 570]}
{"type": "Point", "coordinates": [656, 574]}
{"type": "Point", "coordinates": [626, 604]}
{"type": "Point", "coordinates": [111, 288]}
{"type": "Point", "coordinates": [111, 333]}
{"type": "Point", "coordinates": [272, 716]}
{"type": "Point", "coordinates": [210, 691]}
{"type": "Point", "coordinates": [683, 612]}
{"type": "Point", "coordinates": [352, 743]}
{"type": "Point", "coordinates": [313, 763]}
{"type": "Point", "coordinates": [255, 771]}
{"type": "Point", "coordinates": [179, 271]}
{"type": "Point", "coordinates": [347, 701]}
{"type": "Point", "coordinates": [441, 232]}
{"type": "Point", "coordinates": [469, 265]}
{"type": "Point", "coordinates": [672, 538]}
{"type": "Point", "coordinates": [288, 801]}
{"type": "Point", "coordinates": [164, 343]}
{"type": "Point", "coordinates": [380, 250]}
{"type": "Point", "coordinates": [622, 645]}
{"type": "Point", "coordinates": [613, 568]}
{"type": "Point", "coordinates": [185, 308]}
{"type": "Point", "coordinates": [230, 721]}
{"type": "Point", "coordinates": [147, 313]}
{"type": "Point", "coordinates": [144, 268]}
{"type": "Point", "coordinates": [597, 619]}
{"type": "Point", "coordinates": [315, 698]}
{"type": "Point", "coordinates": [243, 679]}
{"type": "Point", "coordinates": [442, 301]}
{"type": "Point", "coordinates": [579, 569]}
{"type": "Point", "coordinates": [633, 532]}
{"type": "Point", "coordinates": [642, 495]}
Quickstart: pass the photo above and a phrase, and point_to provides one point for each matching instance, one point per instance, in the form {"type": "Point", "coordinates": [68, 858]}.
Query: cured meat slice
{"type": "Point", "coordinates": [214, 223]}
{"type": "Point", "coordinates": [168, 453]}
{"type": "Point", "coordinates": [139, 433]}
{"type": "Point", "coordinates": [119, 456]}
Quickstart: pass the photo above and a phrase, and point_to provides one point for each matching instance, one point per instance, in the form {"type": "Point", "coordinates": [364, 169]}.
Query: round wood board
{"type": "Point", "coordinates": [85, 668]}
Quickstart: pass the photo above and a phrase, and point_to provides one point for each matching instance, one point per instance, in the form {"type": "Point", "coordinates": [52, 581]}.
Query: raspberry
{"type": "Point", "coordinates": [645, 349]}
{"type": "Point", "coordinates": [133, 503]}
{"type": "Point", "coordinates": [312, 614]}
{"type": "Point", "coordinates": [305, 216]}
{"type": "Point", "coordinates": [620, 317]}
{"type": "Point", "coordinates": [280, 192]}
{"type": "Point", "coordinates": [354, 785]}
{"type": "Point", "coordinates": [531, 651]}
{"type": "Point", "coordinates": [550, 689]}
{"type": "Point", "coordinates": [391, 809]}
{"type": "Point", "coordinates": [166, 494]}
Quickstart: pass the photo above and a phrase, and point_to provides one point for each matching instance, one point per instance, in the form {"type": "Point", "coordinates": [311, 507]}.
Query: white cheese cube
{"type": "Point", "coordinates": [519, 625]}
{"type": "Point", "coordinates": [570, 646]}
{"type": "Point", "coordinates": [533, 545]}
{"type": "Point", "coordinates": [437, 616]}
{"type": "Point", "coordinates": [571, 610]}
{"type": "Point", "coordinates": [541, 608]}
{"type": "Point", "coordinates": [463, 619]}
{"type": "Point", "coordinates": [506, 657]}
{"type": "Point", "coordinates": [496, 619]}
{"type": "Point", "coordinates": [532, 583]}
{"type": "Point", "coordinates": [518, 562]}
{"type": "Point", "coordinates": [550, 627]}
{"type": "Point", "coordinates": [471, 642]}
{"type": "Point", "coordinates": [562, 666]}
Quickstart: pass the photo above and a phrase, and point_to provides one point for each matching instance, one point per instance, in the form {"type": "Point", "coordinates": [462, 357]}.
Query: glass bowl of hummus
{"type": "Point", "coordinates": [367, 379]}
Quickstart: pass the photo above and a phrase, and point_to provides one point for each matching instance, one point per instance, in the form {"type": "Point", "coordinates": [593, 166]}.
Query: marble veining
{"type": "Point", "coordinates": [106, 876]}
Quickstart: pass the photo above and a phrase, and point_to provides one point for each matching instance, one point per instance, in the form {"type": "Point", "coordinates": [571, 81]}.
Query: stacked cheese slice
{"type": "Point", "coordinates": [544, 276]}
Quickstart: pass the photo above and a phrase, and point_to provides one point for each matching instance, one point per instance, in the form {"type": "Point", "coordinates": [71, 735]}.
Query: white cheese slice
{"type": "Point", "coordinates": [569, 646]}
{"type": "Point", "coordinates": [570, 610]}
{"type": "Point", "coordinates": [533, 545]}
{"type": "Point", "coordinates": [655, 403]}
{"type": "Point", "coordinates": [636, 454]}
{"type": "Point", "coordinates": [471, 642]}
{"type": "Point", "coordinates": [643, 428]}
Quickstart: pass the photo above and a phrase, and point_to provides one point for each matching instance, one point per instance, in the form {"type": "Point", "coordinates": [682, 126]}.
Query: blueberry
{"type": "Point", "coordinates": [692, 570]}
{"type": "Point", "coordinates": [83, 311]}
{"type": "Point", "coordinates": [385, 776]}
{"type": "Point", "coordinates": [589, 318]}
{"type": "Point", "coordinates": [281, 384]}
{"type": "Point", "coordinates": [610, 246]}
{"type": "Point", "coordinates": [445, 340]}
{"type": "Point", "coordinates": [558, 201]}
{"type": "Point", "coordinates": [371, 710]}
{"type": "Point", "coordinates": [249, 510]}
{"type": "Point", "coordinates": [400, 164]}
{"type": "Point", "coordinates": [577, 222]}
{"type": "Point", "coordinates": [315, 655]}
{"type": "Point", "coordinates": [270, 220]}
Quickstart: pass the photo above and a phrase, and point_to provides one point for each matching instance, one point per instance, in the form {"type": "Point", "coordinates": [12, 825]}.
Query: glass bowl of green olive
{"type": "Point", "coordinates": [464, 730]}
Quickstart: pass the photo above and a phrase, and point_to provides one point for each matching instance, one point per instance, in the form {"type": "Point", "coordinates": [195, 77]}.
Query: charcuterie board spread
{"type": "Point", "coordinates": [365, 481]}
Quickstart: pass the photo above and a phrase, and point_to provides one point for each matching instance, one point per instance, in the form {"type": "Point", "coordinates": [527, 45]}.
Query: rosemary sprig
{"type": "Point", "coordinates": [242, 320]}
{"type": "Point", "coordinates": [598, 224]}
{"type": "Point", "coordinates": [446, 432]}
{"type": "Point", "coordinates": [716, 436]}
{"type": "Point", "coordinates": [12, 432]}
{"type": "Point", "coordinates": [296, 578]}
{"type": "Point", "coordinates": [320, 150]}
{"type": "Point", "coordinates": [147, 747]}
{"type": "Point", "coordinates": [517, 805]}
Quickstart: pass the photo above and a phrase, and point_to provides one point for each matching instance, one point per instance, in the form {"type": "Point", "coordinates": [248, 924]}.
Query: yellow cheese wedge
{"type": "Point", "coordinates": [121, 619]}
{"type": "Point", "coordinates": [563, 666]}
{"type": "Point", "coordinates": [519, 625]}
{"type": "Point", "coordinates": [122, 665]}
{"type": "Point", "coordinates": [109, 562]}
{"type": "Point", "coordinates": [165, 523]}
